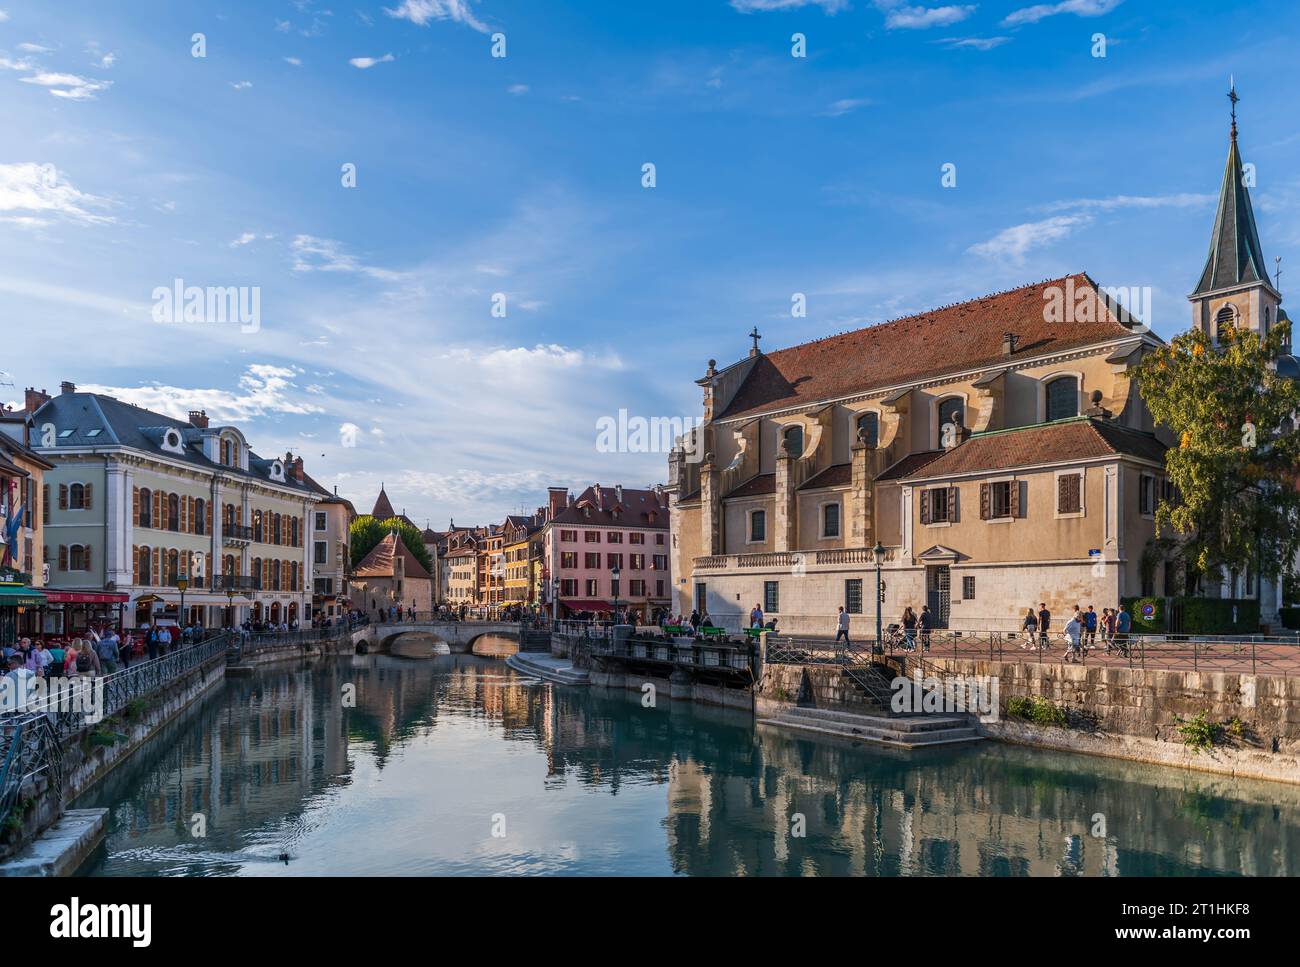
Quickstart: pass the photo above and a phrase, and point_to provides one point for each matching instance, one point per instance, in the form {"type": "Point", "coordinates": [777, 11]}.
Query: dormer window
{"type": "Point", "coordinates": [792, 437]}
{"type": "Point", "coordinates": [277, 471]}
{"type": "Point", "coordinates": [171, 441]}
{"type": "Point", "coordinates": [868, 427]}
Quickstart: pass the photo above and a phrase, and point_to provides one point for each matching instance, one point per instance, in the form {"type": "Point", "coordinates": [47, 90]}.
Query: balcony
{"type": "Point", "coordinates": [234, 582]}
{"type": "Point", "coordinates": [794, 560]}
{"type": "Point", "coordinates": [236, 534]}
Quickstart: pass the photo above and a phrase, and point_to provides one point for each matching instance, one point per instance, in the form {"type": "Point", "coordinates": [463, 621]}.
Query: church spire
{"type": "Point", "coordinates": [1235, 256]}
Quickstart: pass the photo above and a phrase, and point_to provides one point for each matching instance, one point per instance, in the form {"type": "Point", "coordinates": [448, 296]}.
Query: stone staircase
{"type": "Point", "coordinates": [558, 670]}
{"type": "Point", "coordinates": [900, 732]}
{"type": "Point", "coordinates": [532, 639]}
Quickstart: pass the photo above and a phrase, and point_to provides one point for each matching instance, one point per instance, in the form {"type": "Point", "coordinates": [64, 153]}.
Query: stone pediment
{"type": "Point", "coordinates": [940, 554]}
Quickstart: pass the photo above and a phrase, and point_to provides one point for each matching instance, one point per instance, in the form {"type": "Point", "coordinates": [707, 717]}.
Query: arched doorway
{"type": "Point", "coordinates": [293, 613]}
{"type": "Point", "coordinates": [275, 613]}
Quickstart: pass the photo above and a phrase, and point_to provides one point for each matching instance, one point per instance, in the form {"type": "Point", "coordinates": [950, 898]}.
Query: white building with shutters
{"type": "Point", "coordinates": [138, 500]}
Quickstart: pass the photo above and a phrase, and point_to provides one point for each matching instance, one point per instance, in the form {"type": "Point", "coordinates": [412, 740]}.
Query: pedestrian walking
{"type": "Point", "coordinates": [1074, 634]}
{"type": "Point", "coordinates": [842, 627]}
{"type": "Point", "coordinates": [926, 621]}
{"type": "Point", "coordinates": [756, 617]}
{"type": "Point", "coordinates": [1090, 628]}
{"type": "Point", "coordinates": [1030, 627]}
{"type": "Point", "coordinates": [909, 629]}
{"type": "Point", "coordinates": [1044, 624]}
{"type": "Point", "coordinates": [1123, 622]}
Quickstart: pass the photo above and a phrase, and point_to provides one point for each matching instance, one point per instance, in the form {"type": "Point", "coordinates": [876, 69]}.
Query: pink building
{"type": "Point", "coordinates": [607, 529]}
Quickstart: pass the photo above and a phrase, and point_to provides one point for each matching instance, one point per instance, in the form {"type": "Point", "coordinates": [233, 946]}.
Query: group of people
{"type": "Point", "coordinates": [1113, 624]}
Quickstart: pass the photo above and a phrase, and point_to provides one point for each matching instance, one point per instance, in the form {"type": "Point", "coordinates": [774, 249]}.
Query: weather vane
{"type": "Point", "coordinates": [1232, 96]}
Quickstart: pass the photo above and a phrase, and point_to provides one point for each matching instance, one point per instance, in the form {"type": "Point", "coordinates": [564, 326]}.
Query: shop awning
{"type": "Point", "coordinates": [19, 595]}
{"type": "Point", "coordinates": [582, 605]}
{"type": "Point", "coordinates": [85, 597]}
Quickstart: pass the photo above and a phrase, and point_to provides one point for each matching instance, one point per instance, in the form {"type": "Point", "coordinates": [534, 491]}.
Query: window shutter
{"type": "Point", "coordinates": [135, 506]}
{"type": "Point", "coordinates": [189, 514]}
{"type": "Point", "coordinates": [207, 564]}
{"type": "Point", "coordinates": [157, 519]}
{"type": "Point", "coordinates": [1062, 492]}
{"type": "Point", "coordinates": [952, 504]}
{"type": "Point", "coordinates": [155, 570]}
{"type": "Point", "coordinates": [1076, 495]}
{"type": "Point", "coordinates": [88, 500]}
{"type": "Point", "coordinates": [63, 557]}
{"type": "Point", "coordinates": [1015, 498]}
{"type": "Point", "coordinates": [45, 503]}
{"type": "Point", "coordinates": [63, 496]}
{"type": "Point", "coordinates": [207, 513]}
{"type": "Point", "coordinates": [89, 563]}
{"type": "Point", "coordinates": [135, 561]}
{"type": "Point", "coordinates": [986, 510]}
{"type": "Point", "coordinates": [925, 506]}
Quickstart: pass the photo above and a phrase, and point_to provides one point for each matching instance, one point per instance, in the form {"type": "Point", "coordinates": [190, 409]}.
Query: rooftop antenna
{"type": "Point", "coordinates": [1277, 272]}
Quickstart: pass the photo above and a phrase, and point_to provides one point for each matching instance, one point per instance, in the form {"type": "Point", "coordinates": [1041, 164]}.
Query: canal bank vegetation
{"type": "Point", "coordinates": [1200, 734]}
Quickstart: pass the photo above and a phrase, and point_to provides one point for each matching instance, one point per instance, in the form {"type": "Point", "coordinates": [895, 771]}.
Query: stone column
{"type": "Point", "coordinates": [784, 530]}
{"type": "Point", "coordinates": [710, 507]}
{"type": "Point", "coordinates": [118, 525]}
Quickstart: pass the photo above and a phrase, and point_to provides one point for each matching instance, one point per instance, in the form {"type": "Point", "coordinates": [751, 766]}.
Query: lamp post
{"type": "Point", "coordinates": [617, 572]}
{"type": "Point", "coordinates": [878, 552]}
{"type": "Point", "coordinates": [230, 604]}
{"type": "Point", "coordinates": [182, 584]}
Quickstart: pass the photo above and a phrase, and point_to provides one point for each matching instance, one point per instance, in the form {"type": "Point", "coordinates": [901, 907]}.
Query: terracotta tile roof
{"type": "Point", "coordinates": [909, 465]}
{"type": "Point", "coordinates": [757, 486]}
{"type": "Point", "coordinates": [839, 475]}
{"type": "Point", "coordinates": [960, 337]}
{"type": "Point", "coordinates": [383, 506]}
{"type": "Point", "coordinates": [380, 562]}
{"type": "Point", "coordinates": [637, 506]}
{"type": "Point", "coordinates": [1078, 439]}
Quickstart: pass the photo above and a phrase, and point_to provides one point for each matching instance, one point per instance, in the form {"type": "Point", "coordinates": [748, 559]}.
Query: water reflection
{"type": "Point", "coordinates": [437, 755]}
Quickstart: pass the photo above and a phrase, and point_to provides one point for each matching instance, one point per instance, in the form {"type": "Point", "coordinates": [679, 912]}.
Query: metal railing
{"type": "Point", "coordinates": [733, 655]}
{"type": "Point", "coordinates": [1258, 654]}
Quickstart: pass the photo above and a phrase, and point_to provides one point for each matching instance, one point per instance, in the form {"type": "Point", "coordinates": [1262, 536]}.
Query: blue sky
{"type": "Point", "coordinates": [126, 163]}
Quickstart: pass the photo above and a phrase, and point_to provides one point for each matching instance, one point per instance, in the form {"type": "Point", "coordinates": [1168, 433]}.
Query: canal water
{"type": "Point", "coordinates": [460, 765]}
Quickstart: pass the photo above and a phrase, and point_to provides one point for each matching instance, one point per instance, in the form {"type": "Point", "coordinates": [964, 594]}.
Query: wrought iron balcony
{"type": "Point", "coordinates": [234, 582]}
{"type": "Point", "coordinates": [236, 533]}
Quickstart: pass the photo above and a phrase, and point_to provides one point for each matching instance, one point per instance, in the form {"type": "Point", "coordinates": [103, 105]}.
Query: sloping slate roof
{"type": "Point", "coordinates": [838, 475]}
{"type": "Point", "coordinates": [637, 505]}
{"type": "Point", "coordinates": [380, 561]}
{"type": "Point", "coordinates": [383, 506]}
{"type": "Point", "coordinates": [756, 486]}
{"type": "Point", "coordinates": [1235, 255]}
{"type": "Point", "coordinates": [132, 426]}
{"type": "Point", "coordinates": [909, 465]}
{"type": "Point", "coordinates": [1078, 439]}
{"type": "Point", "coordinates": [960, 337]}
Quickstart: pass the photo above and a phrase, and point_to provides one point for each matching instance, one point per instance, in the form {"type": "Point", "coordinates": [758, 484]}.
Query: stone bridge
{"type": "Point", "coordinates": [460, 636]}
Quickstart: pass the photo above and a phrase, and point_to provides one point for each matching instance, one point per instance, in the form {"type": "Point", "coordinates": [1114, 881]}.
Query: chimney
{"type": "Point", "coordinates": [618, 493]}
{"type": "Point", "coordinates": [35, 400]}
{"type": "Point", "coordinates": [199, 418]}
{"type": "Point", "coordinates": [67, 387]}
{"type": "Point", "coordinates": [569, 500]}
{"type": "Point", "coordinates": [297, 469]}
{"type": "Point", "coordinates": [600, 496]}
{"type": "Point", "coordinates": [556, 498]}
{"type": "Point", "coordinates": [1009, 340]}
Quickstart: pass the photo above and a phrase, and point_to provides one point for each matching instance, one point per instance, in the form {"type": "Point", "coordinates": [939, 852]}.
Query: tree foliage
{"type": "Point", "coordinates": [366, 532]}
{"type": "Point", "coordinates": [1236, 461]}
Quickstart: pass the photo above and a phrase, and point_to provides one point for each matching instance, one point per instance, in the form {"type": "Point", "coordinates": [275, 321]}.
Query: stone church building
{"type": "Point", "coordinates": [997, 450]}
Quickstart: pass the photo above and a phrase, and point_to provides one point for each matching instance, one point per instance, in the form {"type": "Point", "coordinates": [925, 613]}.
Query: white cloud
{"type": "Point", "coordinates": [294, 61]}
{"type": "Point", "coordinates": [421, 12]}
{"type": "Point", "coordinates": [974, 43]}
{"type": "Point", "coordinates": [920, 18]}
{"type": "Point", "coordinates": [34, 49]}
{"type": "Point", "coordinates": [312, 254]}
{"type": "Point", "coordinates": [763, 6]}
{"type": "Point", "coordinates": [107, 61]}
{"type": "Point", "coordinates": [263, 390]}
{"type": "Point", "coordinates": [1014, 243]}
{"type": "Point", "coordinates": [1081, 8]}
{"type": "Point", "coordinates": [3, 16]}
{"type": "Point", "coordinates": [247, 237]}
{"type": "Point", "coordinates": [367, 62]}
{"type": "Point", "coordinates": [24, 64]}
{"type": "Point", "coordinates": [517, 89]}
{"type": "Point", "coordinates": [1116, 202]}
{"type": "Point", "coordinates": [31, 194]}
{"type": "Point", "coordinates": [69, 86]}
{"type": "Point", "coordinates": [241, 85]}
{"type": "Point", "coordinates": [844, 106]}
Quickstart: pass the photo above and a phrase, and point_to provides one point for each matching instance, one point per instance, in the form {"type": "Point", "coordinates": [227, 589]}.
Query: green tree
{"type": "Point", "coordinates": [1236, 461]}
{"type": "Point", "coordinates": [366, 532]}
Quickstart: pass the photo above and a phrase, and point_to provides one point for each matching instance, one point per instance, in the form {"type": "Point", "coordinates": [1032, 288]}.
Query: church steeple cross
{"type": "Point", "coordinates": [756, 337]}
{"type": "Point", "coordinates": [1232, 96]}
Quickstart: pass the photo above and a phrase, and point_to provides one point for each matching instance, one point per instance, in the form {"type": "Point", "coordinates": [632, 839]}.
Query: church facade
{"type": "Point", "coordinates": [993, 454]}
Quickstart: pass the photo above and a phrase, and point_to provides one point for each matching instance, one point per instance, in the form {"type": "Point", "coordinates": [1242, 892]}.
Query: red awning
{"type": "Point", "coordinates": [577, 605]}
{"type": "Point", "coordinates": [84, 597]}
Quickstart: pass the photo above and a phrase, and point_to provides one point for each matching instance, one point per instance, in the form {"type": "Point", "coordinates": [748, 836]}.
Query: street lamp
{"type": "Point", "coordinates": [182, 584]}
{"type": "Point", "coordinates": [878, 552]}
{"type": "Point", "coordinates": [617, 572]}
